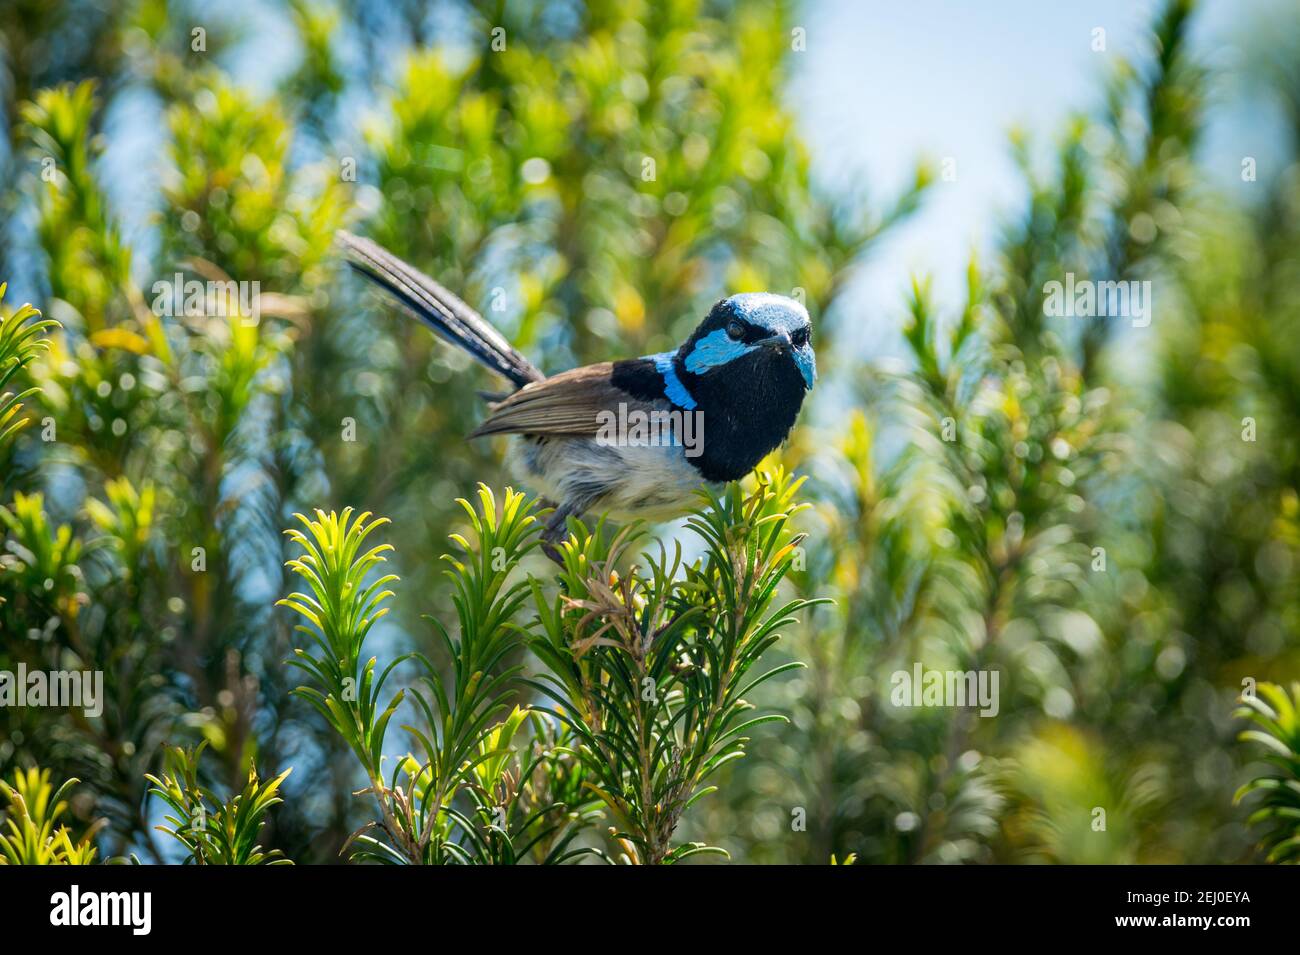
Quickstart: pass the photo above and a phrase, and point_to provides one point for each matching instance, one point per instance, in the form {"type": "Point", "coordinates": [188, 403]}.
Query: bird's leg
{"type": "Point", "coordinates": [555, 530]}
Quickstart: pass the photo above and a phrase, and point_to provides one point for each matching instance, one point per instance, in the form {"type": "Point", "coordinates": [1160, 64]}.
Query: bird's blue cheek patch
{"type": "Point", "coordinates": [807, 363]}
{"type": "Point", "coordinates": [714, 349]}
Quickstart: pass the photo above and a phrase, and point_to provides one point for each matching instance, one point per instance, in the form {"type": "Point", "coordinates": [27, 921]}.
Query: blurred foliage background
{"type": "Point", "coordinates": [1119, 545]}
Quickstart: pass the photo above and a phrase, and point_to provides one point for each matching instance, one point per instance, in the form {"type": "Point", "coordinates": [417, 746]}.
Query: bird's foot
{"type": "Point", "coordinates": [555, 532]}
{"type": "Point", "coordinates": [552, 550]}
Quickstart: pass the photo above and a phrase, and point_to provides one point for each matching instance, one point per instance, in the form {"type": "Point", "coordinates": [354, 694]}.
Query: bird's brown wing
{"type": "Point", "coordinates": [569, 403]}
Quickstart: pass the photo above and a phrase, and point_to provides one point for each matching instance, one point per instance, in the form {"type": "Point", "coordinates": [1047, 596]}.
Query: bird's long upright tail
{"type": "Point", "coordinates": [438, 308]}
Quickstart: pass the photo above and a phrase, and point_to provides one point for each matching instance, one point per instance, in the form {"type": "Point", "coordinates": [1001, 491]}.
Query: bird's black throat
{"type": "Point", "coordinates": [749, 406]}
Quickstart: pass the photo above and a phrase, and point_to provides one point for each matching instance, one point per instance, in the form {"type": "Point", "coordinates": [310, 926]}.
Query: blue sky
{"type": "Point", "coordinates": [882, 84]}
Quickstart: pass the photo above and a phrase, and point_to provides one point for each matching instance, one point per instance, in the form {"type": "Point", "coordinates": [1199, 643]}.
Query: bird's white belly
{"type": "Point", "coordinates": [625, 481]}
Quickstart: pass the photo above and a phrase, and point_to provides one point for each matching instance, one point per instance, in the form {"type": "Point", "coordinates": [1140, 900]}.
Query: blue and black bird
{"type": "Point", "coordinates": [742, 374]}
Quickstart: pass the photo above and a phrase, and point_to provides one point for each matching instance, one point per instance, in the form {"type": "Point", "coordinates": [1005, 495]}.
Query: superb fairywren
{"type": "Point", "coordinates": [597, 438]}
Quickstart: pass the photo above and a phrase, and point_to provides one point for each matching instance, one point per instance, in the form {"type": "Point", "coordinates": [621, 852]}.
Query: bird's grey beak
{"type": "Point", "coordinates": [780, 341]}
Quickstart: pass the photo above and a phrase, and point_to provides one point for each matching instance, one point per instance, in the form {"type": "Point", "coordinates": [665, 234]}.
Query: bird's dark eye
{"type": "Point", "coordinates": [800, 337]}
{"type": "Point", "coordinates": [735, 330]}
